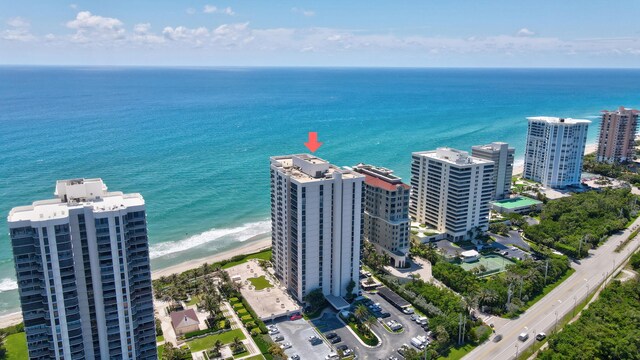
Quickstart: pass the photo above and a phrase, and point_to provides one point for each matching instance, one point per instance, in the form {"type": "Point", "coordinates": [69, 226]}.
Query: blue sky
{"type": "Point", "coordinates": [424, 33]}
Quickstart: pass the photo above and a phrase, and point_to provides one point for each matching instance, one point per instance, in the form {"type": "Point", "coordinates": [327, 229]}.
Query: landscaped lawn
{"type": "Point", "coordinates": [16, 346]}
{"type": "Point", "coordinates": [257, 357]}
{"type": "Point", "coordinates": [194, 300]}
{"type": "Point", "coordinates": [264, 255]}
{"type": "Point", "coordinates": [159, 338]}
{"type": "Point", "coordinates": [160, 351]}
{"type": "Point", "coordinates": [260, 282]}
{"type": "Point", "coordinates": [456, 353]}
{"type": "Point", "coordinates": [208, 341]}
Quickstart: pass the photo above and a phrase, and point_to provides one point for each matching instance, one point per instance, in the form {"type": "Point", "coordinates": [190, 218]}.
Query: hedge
{"type": "Point", "coordinates": [261, 325]}
{"type": "Point", "coordinates": [264, 343]}
{"type": "Point", "coordinates": [242, 312]}
{"type": "Point", "coordinates": [189, 335]}
{"type": "Point", "coordinates": [234, 300]}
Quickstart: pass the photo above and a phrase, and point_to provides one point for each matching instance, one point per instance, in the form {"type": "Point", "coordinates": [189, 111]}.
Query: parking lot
{"type": "Point", "coordinates": [390, 341]}
{"type": "Point", "coordinates": [297, 334]}
{"type": "Point", "coordinates": [504, 245]}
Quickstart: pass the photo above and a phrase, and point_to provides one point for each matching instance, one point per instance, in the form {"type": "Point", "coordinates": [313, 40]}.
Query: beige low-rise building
{"type": "Point", "coordinates": [184, 321]}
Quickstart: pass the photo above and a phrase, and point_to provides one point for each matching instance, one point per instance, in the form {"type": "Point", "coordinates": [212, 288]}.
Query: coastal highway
{"type": "Point", "coordinates": [542, 316]}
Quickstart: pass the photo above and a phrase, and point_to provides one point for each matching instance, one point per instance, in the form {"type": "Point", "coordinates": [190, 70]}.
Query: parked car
{"type": "Point", "coordinates": [414, 317]}
{"type": "Point", "coordinates": [330, 335]}
{"type": "Point", "coordinates": [314, 340]}
{"type": "Point", "coordinates": [408, 310]}
{"type": "Point", "coordinates": [272, 327]}
{"type": "Point", "coordinates": [345, 350]}
{"type": "Point", "coordinates": [278, 338]}
{"type": "Point", "coordinates": [285, 346]}
{"type": "Point", "coordinates": [422, 320]}
{"type": "Point", "coordinates": [274, 331]}
{"type": "Point", "coordinates": [295, 317]}
{"type": "Point", "coordinates": [523, 336]}
{"type": "Point", "coordinates": [417, 343]}
{"type": "Point", "coordinates": [541, 336]}
{"type": "Point", "coordinates": [336, 340]}
{"type": "Point", "coordinates": [294, 357]}
{"type": "Point", "coordinates": [394, 325]}
{"type": "Point", "coordinates": [332, 356]}
{"type": "Point", "coordinates": [384, 315]}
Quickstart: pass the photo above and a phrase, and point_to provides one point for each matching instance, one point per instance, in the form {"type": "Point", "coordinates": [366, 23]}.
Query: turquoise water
{"type": "Point", "coordinates": [196, 142]}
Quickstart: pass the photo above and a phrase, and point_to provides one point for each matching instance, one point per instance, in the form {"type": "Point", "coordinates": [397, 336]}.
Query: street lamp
{"type": "Point", "coordinates": [574, 306]}
{"type": "Point", "coordinates": [556, 328]}
{"type": "Point", "coordinates": [516, 351]}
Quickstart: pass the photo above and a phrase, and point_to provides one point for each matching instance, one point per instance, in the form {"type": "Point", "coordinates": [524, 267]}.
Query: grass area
{"type": "Point", "coordinates": [456, 353]}
{"type": "Point", "coordinates": [628, 239]}
{"type": "Point", "coordinates": [159, 338]}
{"type": "Point", "coordinates": [370, 340]}
{"type": "Point", "coordinates": [160, 351]}
{"type": "Point", "coordinates": [16, 345]}
{"type": "Point", "coordinates": [264, 255]}
{"type": "Point", "coordinates": [257, 357]}
{"type": "Point", "coordinates": [260, 283]}
{"type": "Point", "coordinates": [208, 341]}
{"type": "Point", "coordinates": [547, 289]}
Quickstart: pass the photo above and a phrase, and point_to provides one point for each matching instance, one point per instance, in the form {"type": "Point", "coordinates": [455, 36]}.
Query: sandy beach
{"type": "Point", "coordinates": [518, 168]}
{"type": "Point", "coordinates": [259, 243]}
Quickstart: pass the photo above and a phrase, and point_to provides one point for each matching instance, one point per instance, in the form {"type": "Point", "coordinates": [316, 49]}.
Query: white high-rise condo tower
{"type": "Point", "coordinates": [502, 155]}
{"type": "Point", "coordinates": [554, 151]}
{"type": "Point", "coordinates": [450, 191]}
{"type": "Point", "coordinates": [82, 265]}
{"type": "Point", "coordinates": [316, 211]}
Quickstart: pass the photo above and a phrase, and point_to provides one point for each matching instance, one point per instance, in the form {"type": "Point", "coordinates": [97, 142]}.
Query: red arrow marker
{"type": "Point", "coordinates": [313, 143]}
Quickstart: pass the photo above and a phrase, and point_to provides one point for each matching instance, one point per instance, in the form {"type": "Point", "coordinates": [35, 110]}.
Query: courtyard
{"type": "Point", "coordinates": [262, 290]}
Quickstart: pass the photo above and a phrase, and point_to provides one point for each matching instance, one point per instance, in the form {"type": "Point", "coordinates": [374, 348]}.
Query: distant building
{"type": "Point", "coordinates": [82, 265]}
{"type": "Point", "coordinates": [554, 151]}
{"type": "Point", "coordinates": [502, 155]}
{"type": "Point", "coordinates": [450, 191]}
{"type": "Point", "coordinates": [616, 141]}
{"type": "Point", "coordinates": [386, 212]}
{"type": "Point", "coordinates": [184, 321]}
{"type": "Point", "coordinates": [316, 219]}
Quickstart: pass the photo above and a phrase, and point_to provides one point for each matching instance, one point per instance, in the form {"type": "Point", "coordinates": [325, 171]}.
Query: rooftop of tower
{"type": "Point", "coordinates": [558, 120]}
{"type": "Point", "coordinates": [453, 156]}
{"type": "Point", "coordinates": [75, 193]}
{"type": "Point", "coordinates": [308, 168]}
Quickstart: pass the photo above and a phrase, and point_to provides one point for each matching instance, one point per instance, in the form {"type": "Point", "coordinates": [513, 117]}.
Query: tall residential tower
{"type": "Point", "coordinates": [386, 212]}
{"type": "Point", "coordinates": [316, 224]}
{"type": "Point", "coordinates": [616, 141]}
{"type": "Point", "coordinates": [554, 151]}
{"type": "Point", "coordinates": [502, 156]}
{"type": "Point", "coordinates": [450, 191]}
{"type": "Point", "coordinates": [82, 265]}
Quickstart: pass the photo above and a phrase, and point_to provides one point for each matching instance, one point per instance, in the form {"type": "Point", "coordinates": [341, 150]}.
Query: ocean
{"type": "Point", "coordinates": [195, 142]}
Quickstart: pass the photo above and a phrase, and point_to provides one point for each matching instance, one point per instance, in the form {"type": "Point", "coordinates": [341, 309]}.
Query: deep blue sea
{"type": "Point", "coordinates": [195, 142]}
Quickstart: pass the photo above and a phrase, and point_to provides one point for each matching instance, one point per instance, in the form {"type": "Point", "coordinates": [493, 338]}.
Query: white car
{"type": "Point", "coordinates": [408, 311]}
{"type": "Point", "coordinates": [294, 357]}
{"type": "Point", "coordinates": [523, 336]}
{"type": "Point", "coordinates": [274, 331]}
{"type": "Point", "coordinates": [332, 356]}
{"type": "Point", "coordinates": [285, 346]}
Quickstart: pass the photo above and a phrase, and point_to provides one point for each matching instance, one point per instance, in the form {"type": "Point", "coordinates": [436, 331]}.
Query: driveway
{"type": "Point", "coordinates": [297, 333]}
{"type": "Point", "coordinates": [448, 248]}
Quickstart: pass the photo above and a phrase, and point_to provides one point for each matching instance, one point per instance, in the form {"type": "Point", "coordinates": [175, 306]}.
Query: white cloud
{"type": "Point", "coordinates": [19, 30]}
{"type": "Point", "coordinates": [303, 11]}
{"type": "Point", "coordinates": [190, 11]}
{"type": "Point", "coordinates": [73, 6]}
{"type": "Point", "coordinates": [90, 28]}
{"type": "Point", "coordinates": [211, 9]}
{"type": "Point", "coordinates": [525, 32]}
{"type": "Point", "coordinates": [142, 33]}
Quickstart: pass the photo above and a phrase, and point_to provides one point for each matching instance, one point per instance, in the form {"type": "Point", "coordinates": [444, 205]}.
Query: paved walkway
{"type": "Point", "coordinates": [420, 267]}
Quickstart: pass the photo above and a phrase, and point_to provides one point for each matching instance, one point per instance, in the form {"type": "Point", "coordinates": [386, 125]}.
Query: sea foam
{"type": "Point", "coordinates": [7, 284]}
{"type": "Point", "coordinates": [239, 234]}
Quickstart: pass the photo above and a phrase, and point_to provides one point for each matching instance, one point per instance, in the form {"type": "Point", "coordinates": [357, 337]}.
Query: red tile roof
{"type": "Point", "coordinates": [379, 183]}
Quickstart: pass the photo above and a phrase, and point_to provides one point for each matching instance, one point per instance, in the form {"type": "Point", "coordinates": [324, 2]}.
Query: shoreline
{"type": "Point", "coordinates": [518, 169]}
{"type": "Point", "coordinates": [255, 244]}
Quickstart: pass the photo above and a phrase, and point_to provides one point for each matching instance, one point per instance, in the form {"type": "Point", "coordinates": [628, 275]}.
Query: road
{"type": "Point", "coordinates": [543, 316]}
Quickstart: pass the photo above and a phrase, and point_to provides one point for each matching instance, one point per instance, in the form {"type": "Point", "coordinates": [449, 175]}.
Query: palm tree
{"type": "Point", "coordinates": [361, 312]}
{"type": "Point", "coordinates": [217, 346]}
{"type": "Point", "coordinates": [211, 304]}
{"type": "Point", "coordinates": [205, 269]}
{"type": "Point", "coordinates": [236, 343]}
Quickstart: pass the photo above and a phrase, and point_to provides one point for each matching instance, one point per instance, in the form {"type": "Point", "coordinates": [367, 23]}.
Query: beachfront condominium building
{"type": "Point", "coordinates": [82, 265]}
{"type": "Point", "coordinates": [502, 156]}
{"type": "Point", "coordinates": [316, 211]}
{"type": "Point", "coordinates": [616, 141]}
{"type": "Point", "coordinates": [386, 212]}
{"type": "Point", "coordinates": [450, 191]}
{"type": "Point", "coordinates": [554, 150]}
